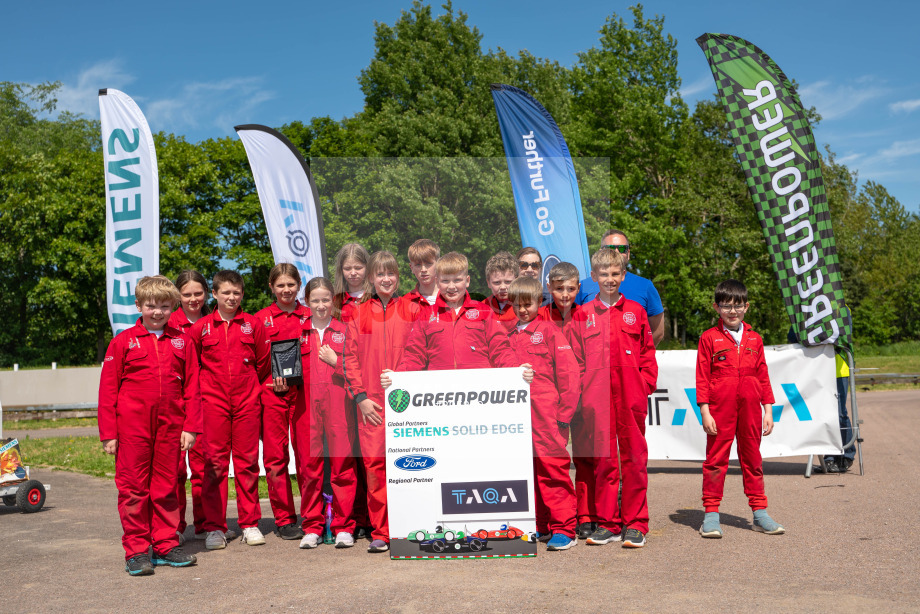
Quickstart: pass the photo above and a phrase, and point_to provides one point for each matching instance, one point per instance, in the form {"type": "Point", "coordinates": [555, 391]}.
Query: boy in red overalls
{"type": "Point", "coordinates": [563, 288]}
{"type": "Point", "coordinates": [735, 397]}
{"type": "Point", "coordinates": [501, 270]}
{"type": "Point", "coordinates": [149, 414]}
{"type": "Point", "coordinates": [613, 344]}
{"type": "Point", "coordinates": [553, 399]}
{"type": "Point", "coordinates": [234, 357]}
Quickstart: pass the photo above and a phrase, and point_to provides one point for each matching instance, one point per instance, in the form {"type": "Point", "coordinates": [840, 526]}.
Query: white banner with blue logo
{"type": "Point", "coordinates": [290, 204]}
{"type": "Point", "coordinates": [804, 414]}
{"type": "Point", "coordinates": [132, 204]}
{"type": "Point", "coordinates": [543, 180]}
{"type": "Point", "coordinates": [460, 464]}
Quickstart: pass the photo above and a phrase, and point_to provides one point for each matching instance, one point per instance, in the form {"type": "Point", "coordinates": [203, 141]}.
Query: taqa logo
{"type": "Point", "coordinates": [416, 462]}
{"type": "Point", "coordinates": [178, 343]}
{"type": "Point", "coordinates": [629, 317]}
{"type": "Point", "coordinates": [472, 314]}
{"type": "Point", "coordinates": [475, 497]}
{"type": "Point", "coordinates": [399, 400]}
{"type": "Point", "coordinates": [246, 328]}
{"type": "Point", "coordinates": [536, 338]}
{"type": "Point", "coordinates": [338, 337]}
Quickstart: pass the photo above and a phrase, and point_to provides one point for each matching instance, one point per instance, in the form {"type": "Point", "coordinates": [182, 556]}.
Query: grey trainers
{"type": "Point", "coordinates": [310, 541]}
{"type": "Point", "coordinates": [215, 540]}
{"type": "Point", "coordinates": [633, 538]}
{"type": "Point", "coordinates": [711, 526]}
{"type": "Point", "coordinates": [378, 545]}
{"type": "Point", "coordinates": [764, 524]}
{"type": "Point", "coordinates": [603, 536]}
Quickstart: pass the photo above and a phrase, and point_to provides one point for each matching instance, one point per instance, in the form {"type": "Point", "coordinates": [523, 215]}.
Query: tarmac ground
{"type": "Point", "coordinates": [852, 544]}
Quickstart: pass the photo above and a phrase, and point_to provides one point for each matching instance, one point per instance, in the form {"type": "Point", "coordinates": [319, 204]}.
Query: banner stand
{"type": "Point", "coordinates": [854, 422]}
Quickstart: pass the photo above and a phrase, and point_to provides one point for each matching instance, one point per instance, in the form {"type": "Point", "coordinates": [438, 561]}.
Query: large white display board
{"type": "Point", "coordinates": [460, 464]}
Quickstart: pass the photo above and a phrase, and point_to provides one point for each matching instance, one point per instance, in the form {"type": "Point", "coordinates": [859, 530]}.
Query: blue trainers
{"type": "Point", "coordinates": [174, 558]}
{"type": "Point", "coordinates": [711, 526]}
{"type": "Point", "coordinates": [764, 524]}
{"type": "Point", "coordinates": [560, 542]}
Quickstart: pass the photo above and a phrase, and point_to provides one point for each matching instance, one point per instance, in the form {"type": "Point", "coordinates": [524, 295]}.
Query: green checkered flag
{"type": "Point", "coordinates": [782, 166]}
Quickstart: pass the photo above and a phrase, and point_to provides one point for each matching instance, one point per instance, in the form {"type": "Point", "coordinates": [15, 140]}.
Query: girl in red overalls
{"type": "Point", "coordinates": [347, 289]}
{"type": "Point", "coordinates": [193, 302]}
{"type": "Point", "coordinates": [281, 321]}
{"type": "Point", "coordinates": [323, 410]}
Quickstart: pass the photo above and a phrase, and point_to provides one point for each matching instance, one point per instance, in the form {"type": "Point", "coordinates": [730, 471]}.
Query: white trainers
{"type": "Point", "coordinates": [344, 540]}
{"type": "Point", "coordinates": [311, 540]}
{"type": "Point", "coordinates": [215, 540]}
{"type": "Point", "coordinates": [253, 536]}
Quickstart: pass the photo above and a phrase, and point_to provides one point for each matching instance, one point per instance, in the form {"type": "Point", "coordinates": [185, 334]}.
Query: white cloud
{"type": "Point", "coordinates": [83, 96]}
{"type": "Point", "coordinates": [901, 149]}
{"type": "Point", "coordinates": [849, 159]}
{"type": "Point", "coordinates": [834, 101]}
{"type": "Point", "coordinates": [222, 103]}
{"type": "Point", "coordinates": [905, 106]}
{"type": "Point", "coordinates": [215, 103]}
{"type": "Point", "coordinates": [697, 87]}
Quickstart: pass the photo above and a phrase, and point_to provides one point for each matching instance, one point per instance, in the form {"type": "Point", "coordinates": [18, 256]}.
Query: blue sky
{"type": "Point", "coordinates": [198, 68]}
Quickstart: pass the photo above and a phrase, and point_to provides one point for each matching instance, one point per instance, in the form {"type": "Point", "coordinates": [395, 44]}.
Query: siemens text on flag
{"type": "Point", "coordinates": [132, 193]}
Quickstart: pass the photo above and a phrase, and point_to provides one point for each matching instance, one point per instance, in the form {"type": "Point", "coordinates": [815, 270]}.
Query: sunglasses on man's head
{"type": "Point", "coordinates": [530, 265]}
{"type": "Point", "coordinates": [620, 248]}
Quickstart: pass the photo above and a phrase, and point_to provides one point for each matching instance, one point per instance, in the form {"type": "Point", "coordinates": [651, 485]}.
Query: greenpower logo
{"type": "Point", "coordinates": [399, 400]}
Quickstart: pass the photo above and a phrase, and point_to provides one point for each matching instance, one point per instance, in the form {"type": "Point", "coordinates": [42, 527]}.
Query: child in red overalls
{"type": "Point", "coordinates": [281, 321]}
{"type": "Point", "coordinates": [735, 397]}
{"type": "Point", "coordinates": [234, 359]}
{"type": "Point", "coordinates": [193, 303]}
{"type": "Point", "coordinates": [553, 399]}
{"type": "Point", "coordinates": [323, 409]}
{"type": "Point", "coordinates": [149, 414]}
{"type": "Point", "coordinates": [613, 344]}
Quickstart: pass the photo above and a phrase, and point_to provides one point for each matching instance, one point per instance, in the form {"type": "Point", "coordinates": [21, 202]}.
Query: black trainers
{"type": "Point", "coordinates": [585, 530]}
{"type": "Point", "coordinates": [603, 536]}
{"type": "Point", "coordinates": [633, 538]}
{"type": "Point", "coordinates": [845, 464]}
{"type": "Point", "coordinates": [174, 558]}
{"type": "Point", "coordinates": [289, 531]}
{"type": "Point", "coordinates": [830, 463]}
{"type": "Point", "coordinates": [139, 565]}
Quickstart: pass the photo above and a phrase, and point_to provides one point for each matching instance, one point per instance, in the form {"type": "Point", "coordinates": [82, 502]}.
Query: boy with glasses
{"type": "Point", "coordinates": [735, 398]}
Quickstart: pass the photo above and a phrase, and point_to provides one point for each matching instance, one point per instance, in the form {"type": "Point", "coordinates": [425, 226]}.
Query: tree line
{"type": "Point", "coordinates": [424, 158]}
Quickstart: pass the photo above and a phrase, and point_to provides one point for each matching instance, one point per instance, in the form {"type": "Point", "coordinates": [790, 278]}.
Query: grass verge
{"type": "Point", "coordinates": [60, 423]}
{"type": "Point", "coordinates": [85, 455]}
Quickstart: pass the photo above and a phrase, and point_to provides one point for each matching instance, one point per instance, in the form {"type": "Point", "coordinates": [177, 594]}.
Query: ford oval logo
{"type": "Point", "coordinates": [416, 462]}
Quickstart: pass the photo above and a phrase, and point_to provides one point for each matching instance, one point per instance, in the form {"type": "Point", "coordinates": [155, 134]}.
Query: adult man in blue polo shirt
{"type": "Point", "coordinates": [634, 288]}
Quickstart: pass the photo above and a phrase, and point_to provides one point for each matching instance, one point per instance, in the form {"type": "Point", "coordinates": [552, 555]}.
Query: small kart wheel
{"type": "Point", "coordinates": [31, 496]}
{"type": "Point", "coordinates": [449, 536]}
{"type": "Point", "coordinates": [9, 500]}
{"type": "Point", "coordinates": [438, 546]}
{"type": "Point", "coordinates": [476, 545]}
{"type": "Point", "coordinates": [420, 536]}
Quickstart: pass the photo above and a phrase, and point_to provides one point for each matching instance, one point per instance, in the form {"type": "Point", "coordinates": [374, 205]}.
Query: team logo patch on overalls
{"type": "Point", "coordinates": [536, 338]}
{"type": "Point", "coordinates": [338, 337]}
{"type": "Point", "coordinates": [472, 314]}
{"type": "Point", "coordinates": [591, 321]}
{"type": "Point", "coordinates": [133, 343]}
{"type": "Point", "coordinates": [246, 328]}
{"type": "Point", "coordinates": [268, 322]}
{"type": "Point", "coordinates": [206, 330]}
{"type": "Point", "coordinates": [303, 319]}
{"type": "Point", "coordinates": [434, 318]}
{"type": "Point", "coordinates": [629, 317]}
{"type": "Point", "coordinates": [178, 343]}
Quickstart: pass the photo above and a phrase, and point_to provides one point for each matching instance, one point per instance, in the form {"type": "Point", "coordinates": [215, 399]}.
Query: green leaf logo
{"type": "Point", "coordinates": [399, 400]}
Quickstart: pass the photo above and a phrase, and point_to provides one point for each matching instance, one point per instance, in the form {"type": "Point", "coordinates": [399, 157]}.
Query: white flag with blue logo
{"type": "Point", "coordinates": [289, 201]}
{"type": "Point", "coordinates": [132, 204]}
